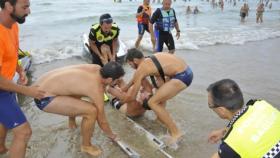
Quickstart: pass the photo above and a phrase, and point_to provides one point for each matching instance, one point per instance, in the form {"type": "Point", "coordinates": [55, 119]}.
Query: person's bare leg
{"type": "Point", "coordinates": [87, 130]}
{"type": "Point", "coordinates": [72, 123]}
{"type": "Point", "coordinates": [21, 136]}
{"type": "Point", "coordinates": [165, 92]}
{"type": "Point", "coordinates": [71, 106]}
{"type": "Point", "coordinates": [3, 134]}
{"type": "Point", "coordinates": [137, 43]}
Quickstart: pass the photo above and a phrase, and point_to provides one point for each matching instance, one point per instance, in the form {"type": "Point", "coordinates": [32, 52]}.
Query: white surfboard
{"type": "Point", "coordinates": [122, 50]}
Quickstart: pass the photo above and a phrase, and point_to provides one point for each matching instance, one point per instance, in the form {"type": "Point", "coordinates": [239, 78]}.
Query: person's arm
{"type": "Point", "coordinates": [93, 46]}
{"type": "Point", "coordinates": [23, 80]}
{"type": "Point", "coordinates": [140, 11]}
{"type": "Point", "coordinates": [178, 31]}
{"type": "Point", "coordinates": [217, 135]}
{"type": "Point", "coordinates": [115, 46]}
{"type": "Point", "coordinates": [102, 121]}
{"type": "Point", "coordinates": [31, 91]}
{"type": "Point", "coordinates": [136, 82]}
{"type": "Point", "coordinates": [153, 19]}
{"type": "Point", "coordinates": [116, 92]}
{"type": "Point", "coordinates": [147, 85]}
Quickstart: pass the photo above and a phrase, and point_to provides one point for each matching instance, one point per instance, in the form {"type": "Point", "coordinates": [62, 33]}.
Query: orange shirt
{"type": "Point", "coordinates": [9, 44]}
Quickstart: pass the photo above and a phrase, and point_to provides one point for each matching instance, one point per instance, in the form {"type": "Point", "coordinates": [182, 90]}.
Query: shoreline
{"type": "Point", "coordinates": [253, 66]}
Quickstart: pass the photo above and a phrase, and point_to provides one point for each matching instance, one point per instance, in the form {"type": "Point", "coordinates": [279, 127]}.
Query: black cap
{"type": "Point", "coordinates": [105, 18]}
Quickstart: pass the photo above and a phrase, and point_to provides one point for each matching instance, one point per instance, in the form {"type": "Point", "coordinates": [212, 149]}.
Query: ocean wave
{"type": "Point", "coordinates": [44, 55]}
{"type": "Point", "coordinates": [193, 40]}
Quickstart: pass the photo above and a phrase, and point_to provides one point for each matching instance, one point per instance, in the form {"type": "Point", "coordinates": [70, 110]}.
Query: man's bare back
{"type": "Point", "coordinates": [74, 80]}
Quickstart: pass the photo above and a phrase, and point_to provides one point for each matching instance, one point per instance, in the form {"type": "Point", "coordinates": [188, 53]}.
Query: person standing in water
{"type": "Point", "coordinates": [259, 14]}
{"type": "Point", "coordinates": [165, 21]}
{"type": "Point", "coordinates": [143, 15]}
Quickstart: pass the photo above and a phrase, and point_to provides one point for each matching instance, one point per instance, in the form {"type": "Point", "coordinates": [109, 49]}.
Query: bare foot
{"type": "Point", "coordinates": [92, 150]}
{"type": "Point", "coordinates": [3, 150]}
{"type": "Point", "coordinates": [173, 140]}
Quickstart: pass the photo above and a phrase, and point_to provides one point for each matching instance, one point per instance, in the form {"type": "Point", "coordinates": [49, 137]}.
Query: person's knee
{"type": "Point", "coordinates": [23, 134]}
{"type": "Point", "coordinates": [153, 103]}
{"type": "Point", "coordinates": [91, 113]}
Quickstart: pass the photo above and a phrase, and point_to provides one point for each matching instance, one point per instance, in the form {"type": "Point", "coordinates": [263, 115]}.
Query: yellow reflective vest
{"type": "Point", "coordinates": [97, 33]}
{"type": "Point", "coordinates": [256, 132]}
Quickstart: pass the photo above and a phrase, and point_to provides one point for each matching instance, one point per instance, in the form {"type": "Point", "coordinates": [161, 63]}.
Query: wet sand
{"type": "Point", "coordinates": [254, 66]}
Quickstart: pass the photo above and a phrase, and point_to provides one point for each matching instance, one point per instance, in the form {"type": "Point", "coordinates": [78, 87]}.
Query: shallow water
{"type": "Point", "coordinates": [54, 28]}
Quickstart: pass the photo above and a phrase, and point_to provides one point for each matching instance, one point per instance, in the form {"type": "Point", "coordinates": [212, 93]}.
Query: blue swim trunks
{"type": "Point", "coordinates": [41, 104]}
{"type": "Point", "coordinates": [11, 114]}
{"type": "Point", "coordinates": [185, 76]}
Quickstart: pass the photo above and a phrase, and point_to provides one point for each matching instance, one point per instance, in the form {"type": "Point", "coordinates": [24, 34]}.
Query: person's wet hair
{"type": "Point", "coordinates": [112, 70]}
{"type": "Point", "coordinates": [133, 53]}
{"type": "Point", "coordinates": [2, 3]}
{"type": "Point", "coordinates": [105, 18]}
{"type": "Point", "coordinates": [226, 93]}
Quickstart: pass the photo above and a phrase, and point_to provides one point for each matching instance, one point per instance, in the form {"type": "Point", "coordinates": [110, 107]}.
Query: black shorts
{"type": "Point", "coordinates": [243, 15]}
{"type": "Point", "coordinates": [164, 37]}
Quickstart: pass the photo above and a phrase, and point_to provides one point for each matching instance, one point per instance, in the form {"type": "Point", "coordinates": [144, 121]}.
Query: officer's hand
{"type": "Point", "coordinates": [216, 135]}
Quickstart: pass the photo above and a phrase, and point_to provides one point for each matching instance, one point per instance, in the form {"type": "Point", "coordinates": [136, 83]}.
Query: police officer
{"type": "Point", "coordinates": [253, 130]}
{"type": "Point", "coordinates": [103, 40]}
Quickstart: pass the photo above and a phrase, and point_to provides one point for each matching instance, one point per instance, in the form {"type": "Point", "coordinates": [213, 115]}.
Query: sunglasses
{"type": "Point", "coordinates": [107, 21]}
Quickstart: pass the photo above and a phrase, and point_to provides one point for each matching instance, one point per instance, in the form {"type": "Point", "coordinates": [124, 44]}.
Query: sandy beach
{"type": "Point", "coordinates": [254, 66]}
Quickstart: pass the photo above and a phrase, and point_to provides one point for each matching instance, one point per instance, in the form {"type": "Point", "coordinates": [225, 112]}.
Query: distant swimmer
{"type": "Point", "coordinates": [169, 74]}
{"type": "Point", "coordinates": [143, 15]}
{"type": "Point", "coordinates": [165, 21]}
{"type": "Point", "coordinates": [243, 12]}
{"type": "Point", "coordinates": [259, 14]}
{"type": "Point", "coordinates": [103, 40]}
{"type": "Point", "coordinates": [12, 13]}
{"type": "Point", "coordinates": [253, 130]}
{"type": "Point", "coordinates": [270, 5]}
{"type": "Point", "coordinates": [195, 11]}
{"type": "Point", "coordinates": [188, 10]}
{"type": "Point", "coordinates": [65, 86]}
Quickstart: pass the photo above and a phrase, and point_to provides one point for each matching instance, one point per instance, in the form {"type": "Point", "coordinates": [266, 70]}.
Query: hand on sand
{"type": "Point", "coordinates": [216, 135]}
{"type": "Point", "coordinates": [92, 150]}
